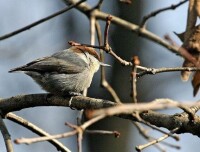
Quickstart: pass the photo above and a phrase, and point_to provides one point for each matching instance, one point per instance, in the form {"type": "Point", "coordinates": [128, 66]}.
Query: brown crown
{"type": "Point", "coordinates": [90, 50]}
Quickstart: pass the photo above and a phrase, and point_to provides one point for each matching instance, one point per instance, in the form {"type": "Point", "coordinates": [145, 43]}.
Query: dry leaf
{"type": "Point", "coordinates": [192, 45]}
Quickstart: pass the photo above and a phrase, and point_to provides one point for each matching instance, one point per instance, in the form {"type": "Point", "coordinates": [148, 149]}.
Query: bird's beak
{"type": "Point", "coordinates": [103, 64]}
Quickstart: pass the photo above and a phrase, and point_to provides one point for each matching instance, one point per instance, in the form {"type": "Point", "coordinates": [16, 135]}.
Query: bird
{"type": "Point", "coordinates": [67, 72]}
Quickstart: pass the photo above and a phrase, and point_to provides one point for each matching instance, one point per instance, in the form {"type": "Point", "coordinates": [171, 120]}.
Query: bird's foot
{"type": "Point", "coordinates": [70, 104]}
{"type": "Point", "coordinates": [72, 94]}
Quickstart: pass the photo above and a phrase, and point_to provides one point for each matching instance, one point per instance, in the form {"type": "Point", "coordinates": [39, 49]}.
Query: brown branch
{"type": "Point", "coordinates": [6, 136]}
{"type": "Point", "coordinates": [106, 47]}
{"type": "Point", "coordinates": [78, 130]}
{"type": "Point", "coordinates": [143, 132]}
{"type": "Point", "coordinates": [104, 82]}
{"type": "Point", "coordinates": [154, 13]}
{"type": "Point", "coordinates": [40, 21]}
{"type": "Point", "coordinates": [79, 102]}
{"type": "Point", "coordinates": [79, 140]}
{"type": "Point", "coordinates": [135, 62]}
{"type": "Point", "coordinates": [103, 132]}
{"type": "Point", "coordinates": [131, 108]}
{"type": "Point", "coordinates": [23, 122]}
{"type": "Point", "coordinates": [153, 71]}
{"type": "Point", "coordinates": [141, 147]}
{"type": "Point", "coordinates": [139, 119]}
{"type": "Point", "coordinates": [84, 8]}
{"type": "Point", "coordinates": [108, 87]}
{"type": "Point", "coordinates": [40, 139]}
{"type": "Point", "coordinates": [34, 100]}
{"type": "Point", "coordinates": [92, 30]}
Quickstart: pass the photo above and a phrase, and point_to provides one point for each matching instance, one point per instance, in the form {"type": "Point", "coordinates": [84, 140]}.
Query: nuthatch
{"type": "Point", "coordinates": [67, 72]}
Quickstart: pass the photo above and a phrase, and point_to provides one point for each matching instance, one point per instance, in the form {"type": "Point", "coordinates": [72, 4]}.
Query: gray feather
{"type": "Point", "coordinates": [57, 63]}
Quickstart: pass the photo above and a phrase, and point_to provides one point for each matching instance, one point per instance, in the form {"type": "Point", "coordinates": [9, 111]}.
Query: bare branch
{"type": "Point", "coordinates": [139, 119]}
{"type": "Point", "coordinates": [84, 8]}
{"type": "Point", "coordinates": [131, 108]}
{"type": "Point", "coordinates": [40, 21]}
{"type": "Point", "coordinates": [141, 147]}
{"type": "Point", "coordinates": [6, 136]}
{"type": "Point", "coordinates": [154, 13]}
{"type": "Point", "coordinates": [144, 133]}
{"type": "Point", "coordinates": [78, 130]}
{"type": "Point", "coordinates": [39, 139]}
{"type": "Point", "coordinates": [79, 102]}
{"type": "Point", "coordinates": [153, 71]}
{"type": "Point", "coordinates": [103, 132]}
{"type": "Point", "coordinates": [135, 62]}
{"type": "Point", "coordinates": [23, 122]}
{"type": "Point", "coordinates": [106, 47]}
{"type": "Point", "coordinates": [104, 82]}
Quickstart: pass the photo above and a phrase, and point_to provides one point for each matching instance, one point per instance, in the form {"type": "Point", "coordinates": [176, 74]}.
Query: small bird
{"type": "Point", "coordinates": [67, 72]}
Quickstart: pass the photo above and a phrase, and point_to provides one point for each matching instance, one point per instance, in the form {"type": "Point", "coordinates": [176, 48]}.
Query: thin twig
{"type": "Point", "coordinates": [135, 61]}
{"type": "Point", "coordinates": [92, 30]}
{"type": "Point", "coordinates": [46, 138]}
{"type": "Point", "coordinates": [108, 87]}
{"type": "Point", "coordinates": [143, 132]}
{"type": "Point", "coordinates": [6, 136]}
{"type": "Point", "coordinates": [153, 71]}
{"type": "Point", "coordinates": [106, 47]}
{"type": "Point", "coordinates": [104, 82]}
{"type": "Point", "coordinates": [141, 147]}
{"type": "Point", "coordinates": [78, 130]}
{"type": "Point", "coordinates": [154, 13]}
{"type": "Point", "coordinates": [23, 122]}
{"type": "Point", "coordinates": [40, 21]}
{"type": "Point", "coordinates": [79, 141]}
{"type": "Point", "coordinates": [84, 8]}
{"type": "Point", "coordinates": [139, 119]}
{"type": "Point", "coordinates": [103, 132]}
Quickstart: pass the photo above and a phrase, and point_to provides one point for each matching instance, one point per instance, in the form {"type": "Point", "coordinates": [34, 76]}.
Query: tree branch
{"type": "Point", "coordinates": [23, 122]}
{"type": "Point", "coordinates": [154, 13]}
{"type": "Point", "coordinates": [6, 136]}
{"type": "Point", "coordinates": [84, 8]}
{"type": "Point", "coordinates": [40, 21]}
{"type": "Point", "coordinates": [79, 102]}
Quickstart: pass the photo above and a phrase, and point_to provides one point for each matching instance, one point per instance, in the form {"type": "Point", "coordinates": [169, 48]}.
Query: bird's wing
{"type": "Point", "coordinates": [53, 64]}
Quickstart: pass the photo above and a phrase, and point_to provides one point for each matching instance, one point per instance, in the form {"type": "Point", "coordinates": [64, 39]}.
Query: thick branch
{"type": "Point", "coordinates": [161, 120]}
{"type": "Point", "coordinates": [34, 100]}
